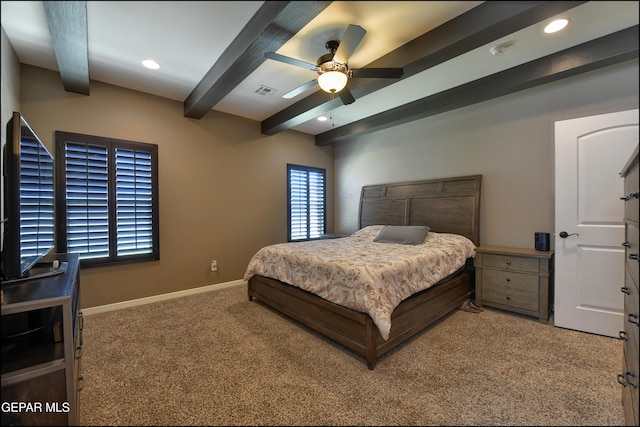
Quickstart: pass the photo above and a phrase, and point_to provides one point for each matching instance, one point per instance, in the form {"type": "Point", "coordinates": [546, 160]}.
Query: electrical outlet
{"type": "Point", "coordinates": [214, 265]}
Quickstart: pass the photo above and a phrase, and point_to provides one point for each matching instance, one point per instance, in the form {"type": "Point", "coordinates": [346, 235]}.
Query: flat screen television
{"type": "Point", "coordinates": [29, 218]}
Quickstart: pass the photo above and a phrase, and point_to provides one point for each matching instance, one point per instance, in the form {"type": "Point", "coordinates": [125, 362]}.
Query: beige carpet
{"type": "Point", "coordinates": [217, 359]}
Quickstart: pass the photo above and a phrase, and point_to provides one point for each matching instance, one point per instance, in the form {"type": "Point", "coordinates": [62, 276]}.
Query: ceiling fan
{"type": "Point", "coordinates": [333, 71]}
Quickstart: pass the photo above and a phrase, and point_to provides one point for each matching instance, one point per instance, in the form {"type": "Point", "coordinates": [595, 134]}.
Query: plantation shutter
{"type": "Point", "coordinates": [134, 202]}
{"type": "Point", "coordinates": [306, 187]}
{"type": "Point", "coordinates": [87, 199]}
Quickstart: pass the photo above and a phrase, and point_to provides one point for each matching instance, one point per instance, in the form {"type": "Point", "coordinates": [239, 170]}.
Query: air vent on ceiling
{"type": "Point", "coordinates": [266, 90]}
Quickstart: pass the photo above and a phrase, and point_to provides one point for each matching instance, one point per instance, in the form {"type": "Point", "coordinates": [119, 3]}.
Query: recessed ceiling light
{"type": "Point", "coordinates": [150, 63]}
{"type": "Point", "coordinates": [322, 119]}
{"type": "Point", "coordinates": [556, 25]}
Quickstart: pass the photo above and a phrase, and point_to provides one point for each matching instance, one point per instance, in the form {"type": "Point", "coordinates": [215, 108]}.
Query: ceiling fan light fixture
{"type": "Point", "coordinates": [332, 81]}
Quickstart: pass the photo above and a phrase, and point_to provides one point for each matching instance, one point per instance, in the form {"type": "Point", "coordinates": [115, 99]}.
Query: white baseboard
{"type": "Point", "coordinates": [156, 298]}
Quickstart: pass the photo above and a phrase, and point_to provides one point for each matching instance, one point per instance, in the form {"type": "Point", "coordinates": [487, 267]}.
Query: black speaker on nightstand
{"type": "Point", "coordinates": [542, 241]}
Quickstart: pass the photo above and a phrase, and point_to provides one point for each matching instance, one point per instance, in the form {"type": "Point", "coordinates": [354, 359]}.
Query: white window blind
{"type": "Point", "coordinates": [36, 199]}
{"type": "Point", "coordinates": [307, 202]}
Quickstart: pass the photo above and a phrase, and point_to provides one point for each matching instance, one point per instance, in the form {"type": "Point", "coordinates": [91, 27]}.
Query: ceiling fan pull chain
{"type": "Point", "coordinates": [331, 97]}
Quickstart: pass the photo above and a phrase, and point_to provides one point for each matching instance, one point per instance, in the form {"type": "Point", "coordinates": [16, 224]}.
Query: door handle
{"type": "Point", "coordinates": [635, 195]}
{"type": "Point", "coordinates": [564, 234]}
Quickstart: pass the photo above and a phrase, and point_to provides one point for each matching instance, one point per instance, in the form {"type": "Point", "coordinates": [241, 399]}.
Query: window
{"type": "Point", "coordinates": [107, 199]}
{"type": "Point", "coordinates": [306, 202]}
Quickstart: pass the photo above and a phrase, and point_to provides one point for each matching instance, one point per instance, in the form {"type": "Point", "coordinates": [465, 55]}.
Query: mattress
{"type": "Point", "coordinates": [358, 273]}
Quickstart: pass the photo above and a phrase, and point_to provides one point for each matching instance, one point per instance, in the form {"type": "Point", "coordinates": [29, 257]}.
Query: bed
{"type": "Point", "coordinates": [449, 207]}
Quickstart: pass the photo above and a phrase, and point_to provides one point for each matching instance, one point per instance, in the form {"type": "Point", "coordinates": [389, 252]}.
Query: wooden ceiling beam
{"type": "Point", "coordinates": [271, 27]}
{"type": "Point", "coordinates": [69, 34]}
{"type": "Point", "coordinates": [481, 25]}
{"type": "Point", "coordinates": [608, 50]}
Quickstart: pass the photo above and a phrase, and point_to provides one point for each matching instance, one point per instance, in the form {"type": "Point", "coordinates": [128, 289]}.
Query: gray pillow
{"type": "Point", "coordinates": [402, 234]}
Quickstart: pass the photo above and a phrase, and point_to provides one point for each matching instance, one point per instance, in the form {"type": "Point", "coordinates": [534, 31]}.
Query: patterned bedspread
{"type": "Point", "coordinates": [361, 274]}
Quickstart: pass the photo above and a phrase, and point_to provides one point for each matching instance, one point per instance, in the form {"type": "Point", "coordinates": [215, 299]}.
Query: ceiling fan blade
{"type": "Point", "coordinates": [346, 96]}
{"type": "Point", "coordinates": [297, 91]}
{"type": "Point", "coordinates": [291, 61]}
{"type": "Point", "coordinates": [377, 73]}
{"type": "Point", "coordinates": [350, 41]}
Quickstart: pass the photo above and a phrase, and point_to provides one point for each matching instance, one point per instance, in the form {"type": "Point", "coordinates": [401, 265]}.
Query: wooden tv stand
{"type": "Point", "coordinates": [42, 348]}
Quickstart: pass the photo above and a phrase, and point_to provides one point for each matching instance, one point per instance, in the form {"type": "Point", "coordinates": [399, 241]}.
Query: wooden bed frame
{"type": "Point", "coordinates": [448, 205]}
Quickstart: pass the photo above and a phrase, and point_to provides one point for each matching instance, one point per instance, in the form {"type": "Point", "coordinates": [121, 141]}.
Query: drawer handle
{"type": "Point", "coordinates": [508, 279]}
{"type": "Point", "coordinates": [81, 325]}
{"type": "Point", "coordinates": [622, 380]}
{"type": "Point", "coordinates": [631, 382]}
{"type": "Point", "coordinates": [634, 256]}
{"type": "Point", "coordinates": [623, 336]}
{"type": "Point", "coordinates": [508, 298]}
{"type": "Point", "coordinates": [78, 352]}
{"type": "Point", "coordinates": [625, 290]}
{"type": "Point", "coordinates": [508, 262]}
{"type": "Point", "coordinates": [626, 244]}
{"type": "Point", "coordinates": [633, 318]}
{"type": "Point", "coordinates": [81, 382]}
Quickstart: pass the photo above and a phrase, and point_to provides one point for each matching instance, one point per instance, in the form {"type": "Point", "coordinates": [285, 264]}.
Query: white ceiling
{"type": "Point", "coordinates": [187, 38]}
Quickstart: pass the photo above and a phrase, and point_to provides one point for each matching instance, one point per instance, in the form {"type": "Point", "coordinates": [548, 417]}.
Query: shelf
{"type": "Point", "coordinates": [30, 351]}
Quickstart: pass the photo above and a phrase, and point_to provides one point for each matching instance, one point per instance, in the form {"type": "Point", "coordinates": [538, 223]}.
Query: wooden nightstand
{"type": "Point", "coordinates": [515, 279]}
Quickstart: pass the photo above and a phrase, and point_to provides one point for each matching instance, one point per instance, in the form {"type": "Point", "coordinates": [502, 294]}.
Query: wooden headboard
{"type": "Point", "coordinates": [446, 205]}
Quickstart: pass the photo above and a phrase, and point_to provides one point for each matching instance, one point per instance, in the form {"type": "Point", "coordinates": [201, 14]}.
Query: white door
{"type": "Point", "coordinates": [590, 152]}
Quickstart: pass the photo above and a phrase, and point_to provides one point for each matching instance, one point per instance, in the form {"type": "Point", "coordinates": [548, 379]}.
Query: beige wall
{"type": "Point", "coordinates": [9, 83]}
{"type": "Point", "coordinates": [204, 214]}
{"type": "Point", "coordinates": [509, 141]}
{"type": "Point", "coordinates": [10, 96]}
{"type": "Point", "coordinates": [222, 183]}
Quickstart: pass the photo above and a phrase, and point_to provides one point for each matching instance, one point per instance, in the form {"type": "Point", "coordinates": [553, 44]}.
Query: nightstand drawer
{"type": "Point", "coordinates": [510, 262]}
{"type": "Point", "coordinates": [510, 288]}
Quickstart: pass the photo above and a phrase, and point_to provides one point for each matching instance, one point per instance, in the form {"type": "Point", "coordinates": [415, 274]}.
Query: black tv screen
{"type": "Point", "coordinates": [29, 220]}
